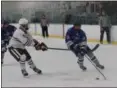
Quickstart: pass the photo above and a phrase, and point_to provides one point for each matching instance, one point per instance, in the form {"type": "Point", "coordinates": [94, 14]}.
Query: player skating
{"type": "Point", "coordinates": [20, 39]}
{"type": "Point", "coordinates": [7, 31]}
{"type": "Point", "coordinates": [76, 41]}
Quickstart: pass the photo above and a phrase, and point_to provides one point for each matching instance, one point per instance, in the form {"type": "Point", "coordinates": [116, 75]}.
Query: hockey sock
{"type": "Point", "coordinates": [22, 65]}
{"type": "Point", "coordinates": [22, 62]}
{"type": "Point", "coordinates": [30, 62]}
{"type": "Point", "coordinates": [80, 61]}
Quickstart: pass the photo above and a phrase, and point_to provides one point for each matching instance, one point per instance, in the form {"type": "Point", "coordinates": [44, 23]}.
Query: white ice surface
{"type": "Point", "coordinates": [60, 68]}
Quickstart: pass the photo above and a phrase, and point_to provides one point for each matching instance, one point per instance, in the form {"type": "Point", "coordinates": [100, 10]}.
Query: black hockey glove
{"type": "Point", "coordinates": [83, 49]}
{"type": "Point", "coordinates": [37, 44]}
{"type": "Point", "coordinates": [76, 47]}
{"type": "Point", "coordinates": [40, 46]}
{"type": "Point", "coordinates": [43, 46]}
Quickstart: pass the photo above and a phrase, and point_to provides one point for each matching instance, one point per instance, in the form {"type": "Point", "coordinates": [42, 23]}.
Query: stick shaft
{"type": "Point", "coordinates": [58, 49]}
{"type": "Point", "coordinates": [96, 46]}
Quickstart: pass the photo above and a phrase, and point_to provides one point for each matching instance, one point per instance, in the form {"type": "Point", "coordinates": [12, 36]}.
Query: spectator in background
{"type": "Point", "coordinates": [44, 25]}
{"type": "Point", "coordinates": [105, 25]}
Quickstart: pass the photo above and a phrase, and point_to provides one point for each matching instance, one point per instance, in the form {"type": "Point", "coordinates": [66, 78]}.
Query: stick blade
{"type": "Point", "coordinates": [96, 47]}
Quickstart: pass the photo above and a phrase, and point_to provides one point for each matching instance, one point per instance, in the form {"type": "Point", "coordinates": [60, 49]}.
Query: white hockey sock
{"type": "Point", "coordinates": [32, 65]}
{"type": "Point", "coordinates": [22, 65]}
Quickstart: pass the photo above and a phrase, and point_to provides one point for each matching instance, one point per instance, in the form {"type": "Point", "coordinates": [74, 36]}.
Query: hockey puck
{"type": "Point", "coordinates": [97, 78]}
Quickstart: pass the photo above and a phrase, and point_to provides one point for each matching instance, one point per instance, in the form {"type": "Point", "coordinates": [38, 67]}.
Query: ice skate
{"type": "Point", "coordinates": [100, 66]}
{"type": "Point", "coordinates": [24, 72]}
{"type": "Point", "coordinates": [37, 70]}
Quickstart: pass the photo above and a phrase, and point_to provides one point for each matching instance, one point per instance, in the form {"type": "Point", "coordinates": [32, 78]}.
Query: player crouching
{"type": "Point", "coordinates": [76, 41]}
{"type": "Point", "coordinates": [20, 39]}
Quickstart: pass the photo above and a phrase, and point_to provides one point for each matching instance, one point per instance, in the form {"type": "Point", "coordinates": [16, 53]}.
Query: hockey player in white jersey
{"type": "Point", "coordinates": [20, 39]}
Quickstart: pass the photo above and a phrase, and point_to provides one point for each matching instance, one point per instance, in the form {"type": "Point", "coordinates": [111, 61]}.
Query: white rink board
{"type": "Point", "coordinates": [92, 31]}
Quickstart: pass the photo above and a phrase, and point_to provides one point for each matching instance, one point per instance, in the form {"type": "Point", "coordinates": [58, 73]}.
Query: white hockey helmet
{"type": "Point", "coordinates": [23, 21]}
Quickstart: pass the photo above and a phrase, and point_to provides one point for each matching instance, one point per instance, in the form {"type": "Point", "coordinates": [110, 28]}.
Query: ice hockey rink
{"type": "Point", "coordinates": [60, 68]}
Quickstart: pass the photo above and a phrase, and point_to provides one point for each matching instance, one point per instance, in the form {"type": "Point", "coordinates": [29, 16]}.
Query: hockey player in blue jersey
{"type": "Point", "coordinates": [6, 34]}
{"type": "Point", "coordinates": [76, 41]}
{"type": "Point", "coordinates": [3, 43]}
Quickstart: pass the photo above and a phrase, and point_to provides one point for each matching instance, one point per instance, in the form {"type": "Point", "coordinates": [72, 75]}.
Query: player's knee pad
{"type": "Point", "coordinates": [91, 55]}
{"type": "Point", "coordinates": [23, 58]}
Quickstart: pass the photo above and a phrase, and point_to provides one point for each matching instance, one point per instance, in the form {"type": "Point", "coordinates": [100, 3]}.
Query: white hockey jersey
{"type": "Point", "coordinates": [20, 39]}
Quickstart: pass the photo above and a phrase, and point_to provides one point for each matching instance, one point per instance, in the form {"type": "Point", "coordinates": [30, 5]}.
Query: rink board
{"type": "Point", "coordinates": [59, 31]}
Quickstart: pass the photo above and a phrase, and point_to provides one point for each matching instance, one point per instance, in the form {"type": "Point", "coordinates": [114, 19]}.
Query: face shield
{"type": "Point", "coordinates": [25, 26]}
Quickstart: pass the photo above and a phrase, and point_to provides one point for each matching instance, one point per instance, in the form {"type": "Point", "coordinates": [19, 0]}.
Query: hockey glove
{"type": "Point", "coordinates": [43, 46]}
{"type": "Point", "coordinates": [76, 47]}
{"type": "Point", "coordinates": [37, 44]}
{"type": "Point", "coordinates": [83, 46]}
{"type": "Point", "coordinates": [83, 49]}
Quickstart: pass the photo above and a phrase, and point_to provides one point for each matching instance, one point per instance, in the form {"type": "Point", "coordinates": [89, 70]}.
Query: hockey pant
{"type": "Point", "coordinates": [22, 55]}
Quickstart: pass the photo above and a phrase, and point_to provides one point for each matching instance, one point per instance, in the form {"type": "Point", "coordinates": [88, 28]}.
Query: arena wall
{"type": "Point", "coordinates": [59, 30]}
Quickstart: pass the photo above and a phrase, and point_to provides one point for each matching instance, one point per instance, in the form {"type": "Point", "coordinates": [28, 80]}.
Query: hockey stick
{"type": "Point", "coordinates": [96, 67]}
{"type": "Point", "coordinates": [96, 46]}
{"type": "Point", "coordinates": [58, 49]}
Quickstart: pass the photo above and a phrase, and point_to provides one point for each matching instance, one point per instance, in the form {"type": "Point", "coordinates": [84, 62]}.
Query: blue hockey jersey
{"type": "Point", "coordinates": [10, 30]}
{"type": "Point", "coordinates": [75, 36]}
{"type": "Point", "coordinates": [6, 33]}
